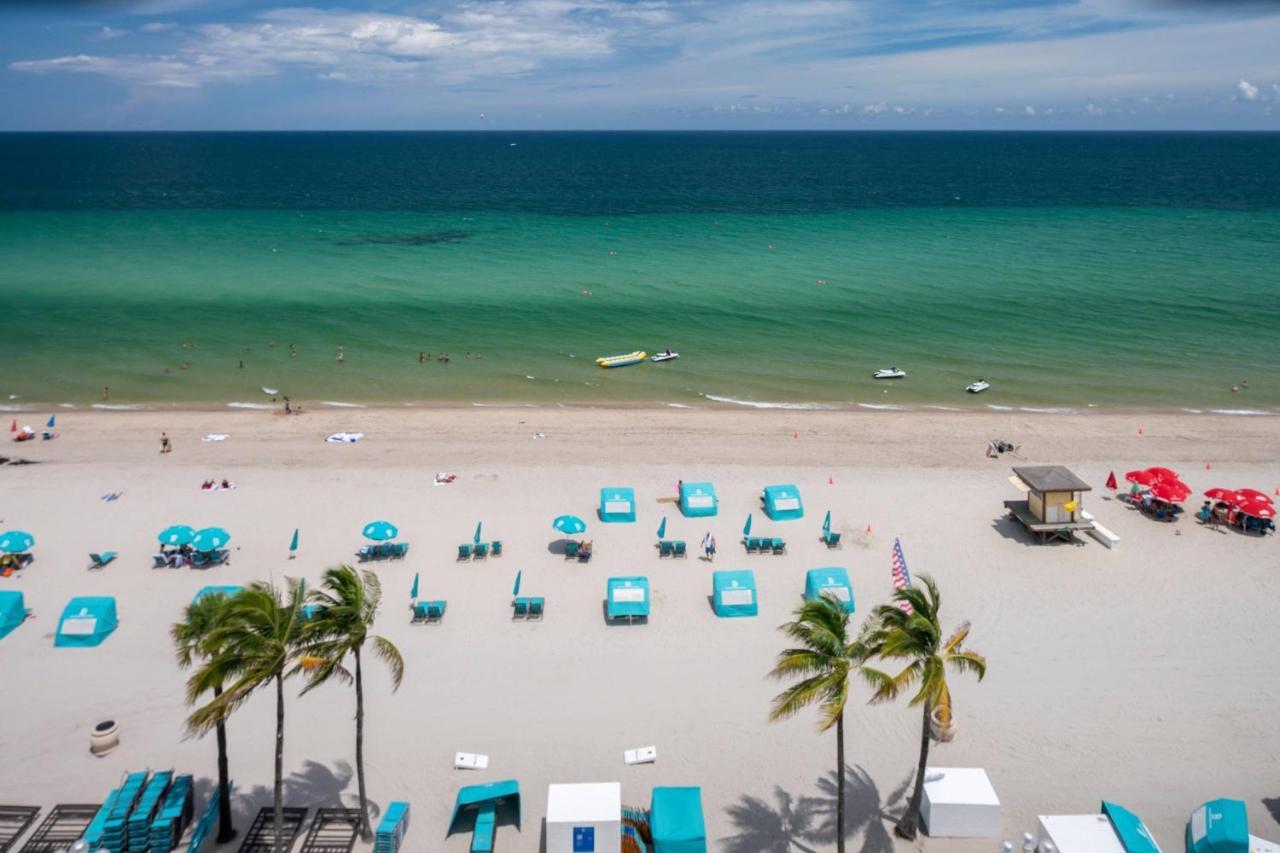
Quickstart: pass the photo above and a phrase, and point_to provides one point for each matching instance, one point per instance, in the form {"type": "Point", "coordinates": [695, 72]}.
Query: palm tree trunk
{"type": "Point", "coordinates": [365, 832]}
{"type": "Point", "coordinates": [909, 824]}
{"type": "Point", "coordinates": [840, 783]}
{"type": "Point", "coordinates": [278, 792]}
{"type": "Point", "coordinates": [226, 831]}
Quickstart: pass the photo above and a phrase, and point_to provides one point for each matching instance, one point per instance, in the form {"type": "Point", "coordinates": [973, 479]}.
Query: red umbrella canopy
{"type": "Point", "coordinates": [1111, 481]}
{"type": "Point", "coordinates": [1225, 495]}
{"type": "Point", "coordinates": [1172, 491]}
{"type": "Point", "coordinates": [1142, 478]}
{"type": "Point", "coordinates": [1163, 473]}
{"type": "Point", "coordinates": [1257, 509]}
{"type": "Point", "coordinates": [1254, 496]}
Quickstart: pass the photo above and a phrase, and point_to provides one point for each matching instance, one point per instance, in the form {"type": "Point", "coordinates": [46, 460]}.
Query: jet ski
{"type": "Point", "coordinates": [669, 355]}
{"type": "Point", "coordinates": [977, 387]}
{"type": "Point", "coordinates": [889, 373]}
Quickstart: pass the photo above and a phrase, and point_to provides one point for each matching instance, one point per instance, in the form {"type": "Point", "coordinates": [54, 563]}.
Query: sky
{"type": "Point", "coordinates": [640, 64]}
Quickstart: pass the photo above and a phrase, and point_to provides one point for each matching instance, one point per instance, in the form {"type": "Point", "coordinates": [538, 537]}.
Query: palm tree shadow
{"type": "Point", "coordinates": [314, 786]}
{"type": "Point", "coordinates": [764, 829]}
{"type": "Point", "coordinates": [865, 811]}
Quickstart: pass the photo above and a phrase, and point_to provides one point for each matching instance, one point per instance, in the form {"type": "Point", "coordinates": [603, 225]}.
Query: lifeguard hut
{"type": "Point", "coordinates": [1054, 506]}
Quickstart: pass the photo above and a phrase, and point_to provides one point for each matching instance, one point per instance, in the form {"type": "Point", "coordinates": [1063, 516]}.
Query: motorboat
{"type": "Point", "coordinates": [622, 360]}
{"type": "Point", "coordinates": [977, 387]}
{"type": "Point", "coordinates": [669, 355]}
{"type": "Point", "coordinates": [270, 392]}
{"type": "Point", "coordinates": [889, 373]}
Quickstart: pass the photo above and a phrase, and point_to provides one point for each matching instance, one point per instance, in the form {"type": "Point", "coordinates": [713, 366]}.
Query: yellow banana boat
{"type": "Point", "coordinates": [621, 360]}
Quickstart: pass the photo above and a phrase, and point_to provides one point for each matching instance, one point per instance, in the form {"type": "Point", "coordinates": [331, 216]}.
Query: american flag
{"type": "Point", "coordinates": [901, 577]}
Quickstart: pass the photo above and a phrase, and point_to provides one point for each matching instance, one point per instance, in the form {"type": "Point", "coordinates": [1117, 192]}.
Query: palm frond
{"type": "Point", "coordinates": [386, 651]}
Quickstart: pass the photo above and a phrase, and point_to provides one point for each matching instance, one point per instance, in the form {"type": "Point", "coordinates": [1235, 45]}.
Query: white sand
{"type": "Point", "coordinates": [1146, 675]}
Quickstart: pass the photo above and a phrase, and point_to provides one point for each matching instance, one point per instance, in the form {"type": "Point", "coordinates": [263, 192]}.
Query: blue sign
{"type": "Point", "coordinates": [584, 839]}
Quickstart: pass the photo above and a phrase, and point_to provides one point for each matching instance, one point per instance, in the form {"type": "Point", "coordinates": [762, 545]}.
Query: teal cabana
{"type": "Point", "coordinates": [483, 802]}
{"type": "Point", "coordinates": [86, 621]}
{"type": "Point", "coordinates": [1219, 826]}
{"type": "Point", "coordinates": [734, 593]}
{"type": "Point", "coordinates": [13, 611]}
{"type": "Point", "coordinates": [628, 598]}
{"type": "Point", "coordinates": [228, 591]}
{"type": "Point", "coordinates": [782, 503]}
{"type": "Point", "coordinates": [675, 820]}
{"type": "Point", "coordinates": [829, 581]}
{"type": "Point", "coordinates": [617, 504]}
{"type": "Point", "coordinates": [698, 500]}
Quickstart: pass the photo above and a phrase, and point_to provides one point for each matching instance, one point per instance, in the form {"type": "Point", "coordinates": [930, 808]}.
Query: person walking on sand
{"type": "Point", "coordinates": [706, 545]}
{"type": "Point", "coordinates": [165, 446]}
{"type": "Point", "coordinates": [711, 550]}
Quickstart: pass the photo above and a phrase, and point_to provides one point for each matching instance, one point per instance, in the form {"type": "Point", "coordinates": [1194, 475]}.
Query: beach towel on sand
{"type": "Point", "coordinates": [345, 437]}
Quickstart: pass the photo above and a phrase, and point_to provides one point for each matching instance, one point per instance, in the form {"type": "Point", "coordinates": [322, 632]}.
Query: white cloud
{"type": "Point", "coordinates": [109, 33]}
{"type": "Point", "coordinates": [1247, 89]}
{"type": "Point", "coordinates": [158, 27]}
{"type": "Point", "coordinates": [1030, 110]}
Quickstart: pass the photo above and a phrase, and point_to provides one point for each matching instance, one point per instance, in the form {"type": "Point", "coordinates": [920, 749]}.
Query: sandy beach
{"type": "Point", "coordinates": [1145, 675]}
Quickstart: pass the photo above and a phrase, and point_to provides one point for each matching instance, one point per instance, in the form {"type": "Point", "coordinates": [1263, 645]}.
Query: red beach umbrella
{"type": "Point", "coordinates": [1142, 478]}
{"type": "Point", "coordinates": [1163, 473]}
{"type": "Point", "coordinates": [1225, 495]}
{"type": "Point", "coordinates": [1111, 481]}
{"type": "Point", "coordinates": [1257, 509]}
{"type": "Point", "coordinates": [1171, 491]}
{"type": "Point", "coordinates": [1254, 496]}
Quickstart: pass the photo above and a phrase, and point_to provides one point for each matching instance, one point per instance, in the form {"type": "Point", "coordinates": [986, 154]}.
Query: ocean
{"type": "Point", "coordinates": [1072, 271]}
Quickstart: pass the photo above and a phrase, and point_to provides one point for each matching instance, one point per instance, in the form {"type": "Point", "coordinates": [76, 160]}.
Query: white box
{"type": "Point", "coordinates": [1078, 833]}
{"type": "Point", "coordinates": [584, 818]}
{"type": "Point", "coordinates": [960, 804]}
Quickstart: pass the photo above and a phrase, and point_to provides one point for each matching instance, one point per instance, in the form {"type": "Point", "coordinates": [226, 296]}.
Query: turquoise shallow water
{"type": "Point", "coordinates": [1059, 305]}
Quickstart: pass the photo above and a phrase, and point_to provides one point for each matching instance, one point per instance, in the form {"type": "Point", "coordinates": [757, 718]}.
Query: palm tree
{"type": "Point", "coordinates": [824, 661]}
{"type": "Point", "coordinates": [914, 634]}
{"type": "Point", "coordinates": [256, 648]}
{"type": "Point", "coordinates": [346, 607]}
{"type": "Point", "coordinates": [191, 642]}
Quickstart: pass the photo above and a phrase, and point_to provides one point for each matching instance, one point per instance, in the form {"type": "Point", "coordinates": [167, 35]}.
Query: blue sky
{"type": "Point", "coordinates": [640, 64]}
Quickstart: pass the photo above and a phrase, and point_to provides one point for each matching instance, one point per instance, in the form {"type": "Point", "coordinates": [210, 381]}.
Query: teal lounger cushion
{"type": "Point", "coordinates": [464, 552]}
{"type": "Point", "coordinates": [482, 838]}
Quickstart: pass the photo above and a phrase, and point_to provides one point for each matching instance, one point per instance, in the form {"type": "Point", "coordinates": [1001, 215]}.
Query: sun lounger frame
{"type": "Point", "coordinates": [332, 831]}
{"type": "Point", "coordinates": [14, 821]}
{"type": "Point", "coordinates": [63, 826]}
{"type": "Point", "coordinates": [261, 835]}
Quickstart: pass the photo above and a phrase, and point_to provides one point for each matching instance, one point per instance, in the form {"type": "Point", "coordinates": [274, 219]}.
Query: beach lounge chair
{"type": "Point", "coordinates": [486, 822]}
{"type": "Point", "coordinates": [470, 761]}
{"type": "Point", "coordinates": [831, 539]}
{"type": "Point", "coordinates": [262, 833]}
{"type": "Point", "coordinates": [391, 830]}
{"type": "Point", "coordinates": [642, 755]}
{"type": "Point", "coordinates": [160, 561]}
{"type": "Point", "coordinates": [664, 548]}
{"type": "Point", "coordinates": [535, 607]}
{"type": "Point", "coordinates": [495, 548]}
{"type": "Point", "coordinates": [366, 552]}
{"type": "Point", "coordinates": [678, 549]}
{"type": "Point", "coordinates": [400, 550]}
{"type": "Point", "coordinates": [464, 551]}
{"type": "Point", "coordinates": [435, 611]}
{"type": "Point", "coordinates": [332, 831]}
{"type": "Point", "coordinates": [481, 550]}
{"type": "Point", "coordinates": [62, 826]}
{"type": "Point", "coordinates": [570, 549]}
{"type": "Point", "coordinates": [519, 608]}
{"type": "Point", "coordinates": [101, 560]}
{"type": "Point", "coordinates": [778, 545]}
{"type": "Point", "coordinates": [14, 821]}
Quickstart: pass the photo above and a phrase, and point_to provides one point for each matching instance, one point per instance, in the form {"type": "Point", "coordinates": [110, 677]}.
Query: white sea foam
{"type": "Point", "coordinates": [945, 408]}
{"type": "Point", "coordinates": [999, 408]}
{"type": "Point", "coordinates": [1194, 411]}
{"type": "Point", "coordinates": [118, 407]}
{"type": "Point", "coordinates": [505, 405]}
{"type": "Point", "coordinates": [18, 408]}
{"type": "Point", "coordinates": [883, 407]}
{"type": "Point", "coordinates": [1050, 410]}
{"type": "Point", "coordinates": [66, 405]}
{"type": "Point", "coordinates": [256, 406]}
{"type": "Point", "coordinates": [754, 404]}
{"type": "Point", "coordinates": [1244, 412]}
{"type": "Point", "coordinates": [338, 405]}
{"type": "Point", "coordinates": [680, 406]}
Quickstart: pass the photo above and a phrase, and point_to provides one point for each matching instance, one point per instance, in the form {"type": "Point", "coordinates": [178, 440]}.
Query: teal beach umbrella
{"type": "Point", "coordinates": [210, 539]}
{"type": "Point", "coordinates": [413, 591]}
{"type": "Point", "coordinates": [476, 537]}
{"type": "Point", "coordinates": [746, 528]}
{"type": "Point", "coordinates": [380, 531]}
{"type": "Point", "coordinates": [826, 523]}
{"type": "Point", "coordinates": [569, 524]}
{"type": "Point", "coordinates": [662, 528]}
{"type": "Point", "coordinates": [515, 590]}
{"type": "Point", "coordinates": [52, 420]}
{"type": "Point", "coordinates": [16, 541]}
{"type": "Point", "coordinates": [177, 534]}
{"type": "Point", "coordinates": [293, 543]}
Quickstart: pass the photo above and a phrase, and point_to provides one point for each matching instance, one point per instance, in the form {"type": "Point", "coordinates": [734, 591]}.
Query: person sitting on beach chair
{"type": "Point", "coordinates": [584, 550]}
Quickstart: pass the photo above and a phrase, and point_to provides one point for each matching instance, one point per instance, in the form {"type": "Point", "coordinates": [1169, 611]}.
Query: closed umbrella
{"type": "Point", "coordinates": [210, 539]}
{"type": "Point", "coordinates": [570, 524]}
{"type": "Point", "coordinates": [16, 541]}
{"type": "Point", "coordinates": [177, 534]}
{"type": "Point", "coordinates": [293, 543]}
{"type": "Point", "coordinates": [746, 528]}
{"type": "Point", "coordinates": [662, 528]}
{"type": "Point", "coordinates": [52, 420]}
{"type": "Point", "coordinates": [413, 592]}
{"type": "Point", "coordinates": [515, 590]}
{"type": "Point", "coordinates": [826, 523]}
{"type": "Point", "coordinates": [380, 531]}
{"type": "Point", "coordinates": [476, 537]}
{"type": "Point", "coordinates": [1111, 481]}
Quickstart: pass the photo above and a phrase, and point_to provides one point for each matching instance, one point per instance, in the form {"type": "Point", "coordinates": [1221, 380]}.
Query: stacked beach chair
{"type": "Point", "coordinates": [392, 828]}
{"type": "Point", "coordinates": [138, 827]}
{"type": "Point", "coordinates": [174, 814]}
{"type": "Point", "coordinates": [115, 828]}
